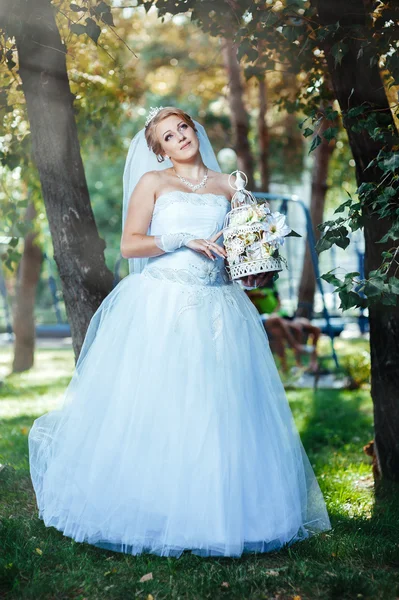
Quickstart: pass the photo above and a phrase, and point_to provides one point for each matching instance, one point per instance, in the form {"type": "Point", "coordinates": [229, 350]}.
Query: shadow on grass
{"type": "Point", "coordinates": [337, 418]}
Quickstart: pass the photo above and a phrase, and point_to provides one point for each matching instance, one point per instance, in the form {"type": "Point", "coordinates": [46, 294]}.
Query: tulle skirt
{"type": "Point", "coordinates": [175, 432]}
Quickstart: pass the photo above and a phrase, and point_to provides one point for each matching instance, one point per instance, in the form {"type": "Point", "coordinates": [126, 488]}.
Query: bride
{"type": "Point", "coordinates": [175, 432]}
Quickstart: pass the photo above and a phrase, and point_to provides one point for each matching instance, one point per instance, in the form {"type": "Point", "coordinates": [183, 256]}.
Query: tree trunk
{"type": "Point", "coordinates": [357, 81]}
{"type": "Point", "coordinates": [307, 285]}
{"type": "Point", "coordinates": [239, 115]}
{"type": "Point", "coordinates": [23, 317]}
{"type": "Point", "coordinates": [264, 138]}
{"type": "Point", "coordinates": [78, 249]}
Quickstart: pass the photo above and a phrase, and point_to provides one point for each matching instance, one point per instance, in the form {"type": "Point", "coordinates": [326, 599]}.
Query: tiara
{"type": "Point", "coordinates": [151, 114]}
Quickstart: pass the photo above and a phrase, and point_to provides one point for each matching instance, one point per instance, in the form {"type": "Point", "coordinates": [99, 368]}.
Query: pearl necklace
{"type": "Point", "coordinates": [193, 186]}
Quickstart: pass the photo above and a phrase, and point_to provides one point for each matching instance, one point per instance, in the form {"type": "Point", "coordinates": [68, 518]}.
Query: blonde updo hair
{"type": "Point", "coordinates": [150, 130]}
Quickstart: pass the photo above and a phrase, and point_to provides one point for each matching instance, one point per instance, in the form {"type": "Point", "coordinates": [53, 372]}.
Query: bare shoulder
{"type": "Point", "coordinates": [217, 176]}
{"type": "Point", "coordinates": [221, 180]}
{"type": "Point", "coordinates": [144, 192]}
{"type": "Point", "coordinates": [225, 177]}
{"type": "Point", "coordinates": [150, 178]}
{"type": "Point", "coordinates": [147, 186]}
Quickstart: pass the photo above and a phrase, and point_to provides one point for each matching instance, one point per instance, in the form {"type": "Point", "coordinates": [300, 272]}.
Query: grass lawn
{"type": "Point", "coordinates": [358, 559]}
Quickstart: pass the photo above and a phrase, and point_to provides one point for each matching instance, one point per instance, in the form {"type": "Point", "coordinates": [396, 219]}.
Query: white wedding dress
{"type": "Point", "coordinates": [175, 432]}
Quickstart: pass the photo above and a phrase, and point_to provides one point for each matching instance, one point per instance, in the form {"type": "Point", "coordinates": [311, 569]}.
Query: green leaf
{"type": "Point", "coordinates": [77, 8]}
{"type": "Point", "coordinates": [351, 275]}
{"type": "Point", "coordinates": [77, 28]}
{"type": "Point", "coordinates": [389, 299]}
{"type": "Point", "coordinates": [254, 71]}
{"type": "Point", "coordinates": [327, 31]}
{"type": "Point", "coordinates": [103, 11]}
{"type": "Point", "coordinates": [316, 142]}
{"type": "Point", "coordinates": [330, 133]}
{"type": "Point", "coordinates": [392, 234]}
{"type": "Point", "coordinates": [293, 234]}
{"type": "Point", "coordinates": [356, 111]}
{"type": "Point", "coordinates": [246, 49]}
{"type": "Point", "coordinates": [324, 244]}
{"type": "Point", "coordinates": [108, 18]}
{"type": "Point", "coordinates": [349, 299]}
{"type": "Point", "coordinates": [13, 255]}
{"type": "Point", "coordinates": [394, 285]}
{"type": "Point", "coordinates": [374, 287]}
{"type": "Point", "coordinates": [339, 236]}
{"type": "Point", "coordinates": [10, 62]}
{"type": "Point", "coordinates": [102, 7]}
{"type": "Point", "coordinates": [330, 224]}
{"type": "Point", "coordinates": [307, 132]}
{"type": "Point", "coordinates": [8, 264]}
{"type": "Point", "coordinates": [342, 242]}
{"type": "Point", "coordinates": [93, 30]}
{"type": "Point", "coordinates": [392, 163]}
{"type": "Point", "coordinates": [331, 114]}
{"type": "Point", "coordinates": [355, 224]}
{"type": "Point", "coordinates": [331, 278]}
{"type": "Point", "coordinates": [342, 206]}
{"type": "Point", "coordinates": [365, 188]}
{"type": "Point", "coordinates": [338, 51]}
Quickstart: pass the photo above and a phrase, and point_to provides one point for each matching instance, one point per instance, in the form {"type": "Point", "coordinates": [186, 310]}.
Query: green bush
{"type": "Point", "coordinates": [357, 365]}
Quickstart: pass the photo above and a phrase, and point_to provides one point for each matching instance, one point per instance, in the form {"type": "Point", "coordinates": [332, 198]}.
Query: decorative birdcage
{"type": "Point", "coordinates": [252, 233]}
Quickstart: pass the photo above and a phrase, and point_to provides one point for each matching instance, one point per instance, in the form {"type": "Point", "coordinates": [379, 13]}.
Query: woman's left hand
{"type": "Point", "coordinates": [258, 280]}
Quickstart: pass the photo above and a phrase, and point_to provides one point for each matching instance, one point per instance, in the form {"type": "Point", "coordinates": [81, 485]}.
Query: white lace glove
{"type": "Point", "coordinates": [169, 242]}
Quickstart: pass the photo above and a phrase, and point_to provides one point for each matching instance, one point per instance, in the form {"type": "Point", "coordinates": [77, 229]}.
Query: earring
{"type": "Point", "coordinates": [166, 156]}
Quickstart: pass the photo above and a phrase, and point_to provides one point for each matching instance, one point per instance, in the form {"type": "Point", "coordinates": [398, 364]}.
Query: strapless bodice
{"type": "Point", "coordinates": [189, 212]}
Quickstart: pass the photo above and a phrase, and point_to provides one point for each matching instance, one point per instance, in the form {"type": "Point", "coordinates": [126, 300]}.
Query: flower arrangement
{"type": "Point", "coordinates": [252, 234]}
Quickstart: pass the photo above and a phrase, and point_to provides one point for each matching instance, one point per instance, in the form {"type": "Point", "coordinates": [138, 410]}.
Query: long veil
{"type": "Point", "coordinates": [140, 159]}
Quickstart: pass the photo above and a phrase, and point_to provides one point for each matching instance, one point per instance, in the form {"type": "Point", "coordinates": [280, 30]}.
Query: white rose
{"type": "Point", "coordinates": [239, 218]}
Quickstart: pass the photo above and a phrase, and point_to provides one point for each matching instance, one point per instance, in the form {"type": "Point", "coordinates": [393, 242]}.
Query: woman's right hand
{"type": "Point", "coordinates": [206, 247]}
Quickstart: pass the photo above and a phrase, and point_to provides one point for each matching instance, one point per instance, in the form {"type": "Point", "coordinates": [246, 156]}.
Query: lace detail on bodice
{"type": "Point", "coordinates": [199, 274]}
{"type": "Point", "coordinates": [191, 198]}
